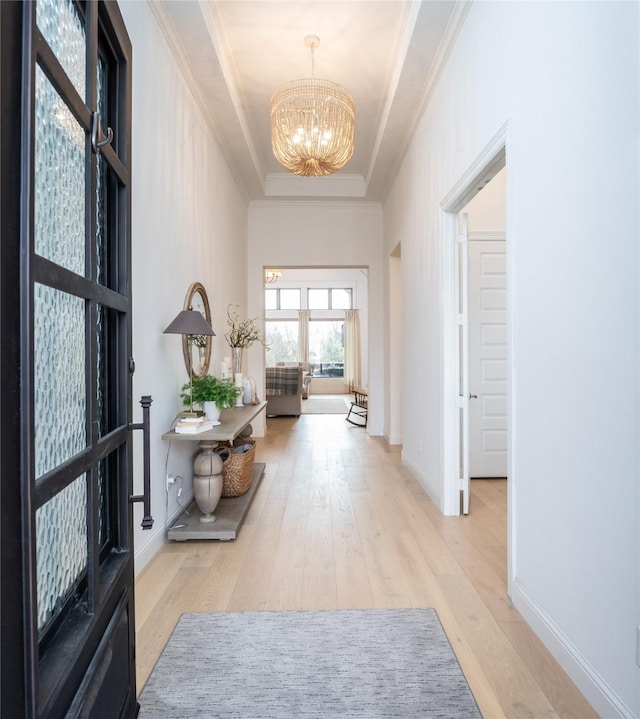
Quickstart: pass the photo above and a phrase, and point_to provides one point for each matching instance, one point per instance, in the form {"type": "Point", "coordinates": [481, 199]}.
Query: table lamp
{"type": "Point", "coordinates": [190, 323]}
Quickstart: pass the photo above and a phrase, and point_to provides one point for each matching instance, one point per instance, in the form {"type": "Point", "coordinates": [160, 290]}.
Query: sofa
{"type": "Point", "coordinates": [283, 389]}
{"type": "Point", "coordinates": [307, 368]}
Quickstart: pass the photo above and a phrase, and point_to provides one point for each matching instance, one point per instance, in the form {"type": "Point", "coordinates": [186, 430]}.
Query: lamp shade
{"type": "Point", "coordinates": [189, 322]}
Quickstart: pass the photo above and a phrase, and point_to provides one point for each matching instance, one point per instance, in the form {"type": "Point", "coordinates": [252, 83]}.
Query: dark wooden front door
{"type": "Point", "coordinates": [65, 386]}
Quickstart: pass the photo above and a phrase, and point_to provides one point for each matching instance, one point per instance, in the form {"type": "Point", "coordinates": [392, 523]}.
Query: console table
{"type": "Point", "coordinates": [231, 511]}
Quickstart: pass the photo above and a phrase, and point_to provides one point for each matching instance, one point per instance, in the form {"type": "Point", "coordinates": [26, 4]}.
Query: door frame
{"type": "Point", "coordinates": [66, 676]}
{"type": "Point", "coordinates": [12, 650]}
{"type": "Point", "coordinates": [493, 158]}
{"type": "Point", "coordinates": [394, 371]}
{"type": "Point", "coordinates": [461, 290]}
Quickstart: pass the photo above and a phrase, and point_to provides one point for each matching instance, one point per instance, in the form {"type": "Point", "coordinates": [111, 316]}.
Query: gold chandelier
{"type": "Point", "coordinates": [312, 124]}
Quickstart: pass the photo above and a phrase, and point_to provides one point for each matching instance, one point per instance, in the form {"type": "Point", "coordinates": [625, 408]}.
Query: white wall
{"type": "Point", "coordinates": [314, 234]}
{"type": "Point", "coordinates": [564, 79]}
{"type": "Point", "coordinates": [189, 223]}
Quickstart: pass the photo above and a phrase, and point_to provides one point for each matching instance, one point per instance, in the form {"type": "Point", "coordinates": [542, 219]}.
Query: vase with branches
{"type": "Point", "coordinates": [241, 334]}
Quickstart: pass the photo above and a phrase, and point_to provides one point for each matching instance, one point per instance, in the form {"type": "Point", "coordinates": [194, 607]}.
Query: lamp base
{"type": "Point", "coordinates": [194, 413]}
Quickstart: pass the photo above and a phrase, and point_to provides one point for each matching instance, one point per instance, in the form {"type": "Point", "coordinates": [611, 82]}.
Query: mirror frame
{"type": "Point", "coordinates": [197, 288]}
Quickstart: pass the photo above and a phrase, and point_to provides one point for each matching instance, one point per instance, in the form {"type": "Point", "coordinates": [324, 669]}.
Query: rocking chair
{"type": "Point", "coordinates": [358, 408]}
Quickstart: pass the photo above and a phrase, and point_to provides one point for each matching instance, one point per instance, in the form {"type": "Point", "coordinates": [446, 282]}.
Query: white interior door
{"type": "Point", "coordinates": [463, 358]}
{"type": "Point", "coordinates": [487, 299]}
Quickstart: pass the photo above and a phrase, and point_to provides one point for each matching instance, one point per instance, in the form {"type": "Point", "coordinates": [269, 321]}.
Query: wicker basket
{"type": "Point", "coordinates": [237, 470]}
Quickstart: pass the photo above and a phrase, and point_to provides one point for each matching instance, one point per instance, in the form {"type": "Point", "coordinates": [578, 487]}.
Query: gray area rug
{"type": "Point", "coordinates": [326, 405]}
{"type": "Point", "coordinates": [391, 663]}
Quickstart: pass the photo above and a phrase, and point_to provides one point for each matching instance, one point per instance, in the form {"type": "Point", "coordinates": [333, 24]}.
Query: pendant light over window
{"type": "Point", "coordinates": [312, 124]}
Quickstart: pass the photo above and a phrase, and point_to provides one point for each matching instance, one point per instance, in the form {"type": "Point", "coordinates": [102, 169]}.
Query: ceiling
{"type": "Point", "coordinates": [235, 53]}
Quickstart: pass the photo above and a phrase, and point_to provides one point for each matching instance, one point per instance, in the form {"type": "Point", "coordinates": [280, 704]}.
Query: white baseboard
{"type": "Point", "coordinates": [421, 479]}
{"type": "Point", "coordinates": [393, 439]}
{"type": "Point", "coordinates": [597, 692]}
{"type": "Point", "coordinates": [144, 554]}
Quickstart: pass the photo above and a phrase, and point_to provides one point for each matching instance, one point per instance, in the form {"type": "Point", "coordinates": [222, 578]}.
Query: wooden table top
{"type": "Point", "coordinates": [231, 422]}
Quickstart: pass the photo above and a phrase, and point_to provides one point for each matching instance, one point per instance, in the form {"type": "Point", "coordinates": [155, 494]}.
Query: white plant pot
{"type": "Point", "coordinates": [212, 411]}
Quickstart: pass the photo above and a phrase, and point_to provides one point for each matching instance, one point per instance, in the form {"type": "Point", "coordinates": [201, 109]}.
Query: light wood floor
{"type": "Point", "coordinates": [339, 522]}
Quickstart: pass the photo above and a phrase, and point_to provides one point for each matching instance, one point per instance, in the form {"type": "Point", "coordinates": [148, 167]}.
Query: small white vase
{"type": "Point", "coordinates": [249, 388]}
{"type": "Point", "coordinates": [212, 411]}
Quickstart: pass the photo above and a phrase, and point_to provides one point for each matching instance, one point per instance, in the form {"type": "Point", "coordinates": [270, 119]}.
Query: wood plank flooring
{"type": "Point", "coordinates": [339, 522]}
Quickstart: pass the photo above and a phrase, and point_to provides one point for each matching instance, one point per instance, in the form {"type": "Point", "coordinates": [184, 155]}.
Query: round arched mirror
{"type": "Point", "coordinates": [197, 353]}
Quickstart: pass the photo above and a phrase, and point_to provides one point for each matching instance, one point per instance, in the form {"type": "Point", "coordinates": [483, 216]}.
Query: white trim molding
{"type": "Point", "coordinates": [597, 692]}
{"type": "Point", "coordinates": [480, 173]}
{"type": "Point", "coordinates": [146, 552]}
{"type": "Point", "coordinates": [419, 477]}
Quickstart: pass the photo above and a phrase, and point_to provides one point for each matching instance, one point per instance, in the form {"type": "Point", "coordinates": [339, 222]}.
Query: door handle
{"type": "Point", "coordinates": [473, 396]}
{"type": "Point", "coordinates": [147, 519]}
{"type": "Point", "coordinates": [96, 131]}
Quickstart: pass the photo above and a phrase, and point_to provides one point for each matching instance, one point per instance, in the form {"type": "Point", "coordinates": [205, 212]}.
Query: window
{"type": "Point", "coordinates": [341, 299]}
{"type": "Point", "coordinates": [282, 341]}
{"type": "Point", "coordinates": [326, 307]}
{"type": "Point", "coordinates": [282, 299]}
{"type": "Point", "coordinates": [330, 299]}
{"type": "Point", "coordinates": [326, 348]}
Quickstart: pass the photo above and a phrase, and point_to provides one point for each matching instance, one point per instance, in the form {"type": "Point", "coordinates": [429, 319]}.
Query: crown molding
{"type": "Point", "coordinates": [288, 185]}
{"type": "Point", "coordinates": [225, 58]}
{"type": "Point", "coordinates": [197, 41]}
{"type": "Point", "coordinates": [180, 54]}
{"type": "Point", "coordinates": [445, 48]}
{"type": "Point", "coordinates": [404, 42]}
{"type": "Point", "coordinates": [454, 26]}
{"type": "Point", "coordinates": [325, 204]}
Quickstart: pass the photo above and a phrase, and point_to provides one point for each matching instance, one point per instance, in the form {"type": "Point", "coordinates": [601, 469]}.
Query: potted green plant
{"type": "Point", "coordinates": [212, 394]}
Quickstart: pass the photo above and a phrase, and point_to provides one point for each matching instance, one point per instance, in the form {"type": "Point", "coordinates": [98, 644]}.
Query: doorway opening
{"type": "Point", "coordinates": [394, 371]}
{"type": "Point", "coordinates": [475, 212]}
{"type": "Point", "coordinates": [487, 331]}
{"type": "Point", "coordinates": [316, 317]}
{"type": "Point", "coordinates": [484, 435]}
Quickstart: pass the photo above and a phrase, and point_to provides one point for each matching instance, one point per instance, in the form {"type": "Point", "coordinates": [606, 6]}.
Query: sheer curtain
{"type": "Point", "coordinates": [303, 335]}
{"type": "Point", "coordinates": [352, 348]}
